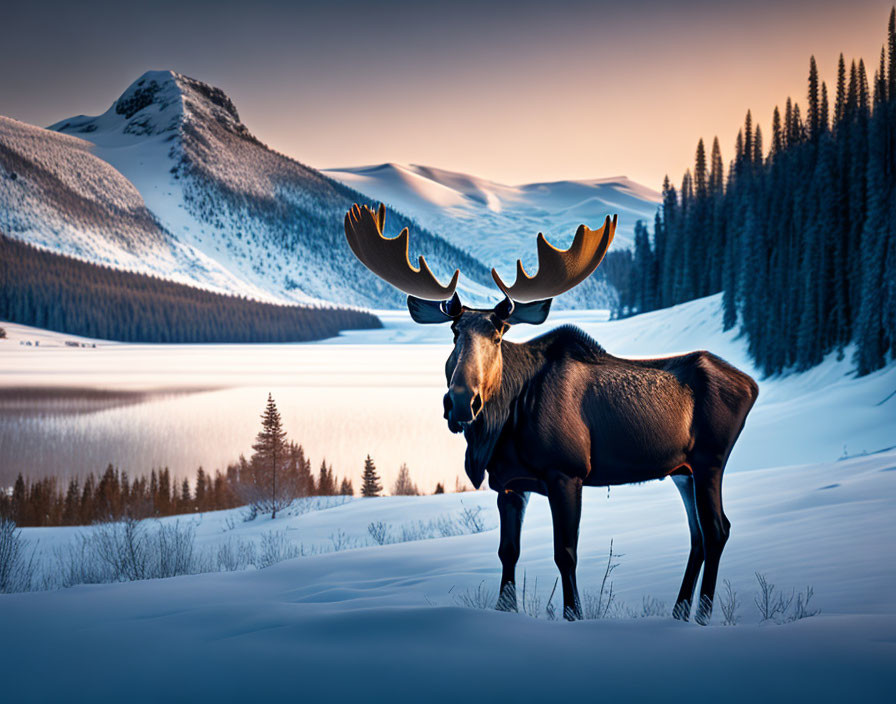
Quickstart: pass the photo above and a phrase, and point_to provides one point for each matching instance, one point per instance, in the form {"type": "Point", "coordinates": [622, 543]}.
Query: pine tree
{"type": "Point", "coordinates": [304, 481]}
{"type": "Point", "coordinates": [163, 501]}
{"type": "Point", "coordinates": [326, 480]}
{"type": "Point", "coordinates": [19, 503]}
{"type": "Point", "coordinates": [71, 511]}
{"type": "Point", "coordinates": [346, 488]}
{"type": "Point", "coordinates": [370, 481]}
{"type": "Point", "coordinates": [813, 113]}
{"type": "Point", "coordinates": [403, 485]}
{"type": "Point", "coordinates": [840, 100]}
{"type": "Point", "coordinates": [201, 490]}
{"type": "Point", "coordinates": [87, 506]}
{"type": "Point", "coordinates": [270, 456]}
{"type": "Point", "coordinates": [186, 499]}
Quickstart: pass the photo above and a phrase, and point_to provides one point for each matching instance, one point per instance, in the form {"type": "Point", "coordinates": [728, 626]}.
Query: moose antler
{"type": "Point", "coordinates": [560, 269]}
{"type": "Point", "coordinates": [388, 257]}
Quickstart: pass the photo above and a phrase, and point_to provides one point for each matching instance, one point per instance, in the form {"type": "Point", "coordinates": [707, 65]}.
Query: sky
{"type": "Point", "coordinates": [515, 92]}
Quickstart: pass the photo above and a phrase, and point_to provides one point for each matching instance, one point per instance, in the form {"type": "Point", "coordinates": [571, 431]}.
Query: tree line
{"type": "Point", "coordinates": [276, 473]}
{"type": "Point", "coordinates": [798, 235]}
{"type": "Point", "coordinates": [57, 292]}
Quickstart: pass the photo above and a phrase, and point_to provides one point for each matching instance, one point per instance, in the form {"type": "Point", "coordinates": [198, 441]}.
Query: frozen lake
{"type": "Point", "coordinates": [68, 410]}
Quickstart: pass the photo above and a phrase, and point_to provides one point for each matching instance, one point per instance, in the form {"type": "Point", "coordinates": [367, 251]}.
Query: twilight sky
{"type": "Point", "coordinates": [513, 91]}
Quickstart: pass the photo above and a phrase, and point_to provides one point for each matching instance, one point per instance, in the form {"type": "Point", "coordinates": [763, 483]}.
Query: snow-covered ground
{"type": "Point", "coordinates": [385, 623]}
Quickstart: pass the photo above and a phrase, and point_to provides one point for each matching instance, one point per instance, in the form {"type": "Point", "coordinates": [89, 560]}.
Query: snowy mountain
{"type": "Point", "coordinates": [56, 194]}
{"type": "Point", "coordinates": [169, 182]}
{"type": "Point", "coordinates": [271, 224]}
{"type": "Point", "coordinates": [496, 223]}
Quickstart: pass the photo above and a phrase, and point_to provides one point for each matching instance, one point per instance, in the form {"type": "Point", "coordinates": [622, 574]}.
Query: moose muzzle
{"type": "Point", "coordinates": [462, 405]}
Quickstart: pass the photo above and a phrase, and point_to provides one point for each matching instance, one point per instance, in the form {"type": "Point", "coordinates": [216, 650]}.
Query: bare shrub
{"type": "Point", "coordinates": [448, 527]}
{"type": "Point", "coordinates": [601, 604]}
{"type": "Point", "coordinates": [173, 549]}
{"type": "Point", "coordinates": [772, 604]}
{"type": "Point", "coordinates": [650, 606]}
{"type": "Point", "coordinates": [479, 598]}
{"type": "Point", "coordinates": [127, 551]}
{"type": "Point", "coordinates": [342, 541]}
{"type": "Point", "coordinates": [123, 547]}
{"type": "Point", "coordinates": [17, 564]}
{"type": "Point", "coordinates": [471, 519]}
{"type": "Point", "coordinates": [379, 531]}
{"type": "Point", "coordinates": [275, 547]}
{"type": "Point", "coordinates": [801, 608]}
{"type": "Point", "coordinates": [727, 601]}
{"type": "Point", "coordinates": [418, 530]}
{"type": "Point", "coordinates": [78, 563]}
{"type": "Point", "coordinates": [530, 601]}
{"type": "Point", "coordinates": [234, 555]}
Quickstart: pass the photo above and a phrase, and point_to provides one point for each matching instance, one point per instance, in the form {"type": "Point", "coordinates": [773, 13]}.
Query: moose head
{"type": "Point", "coordinates": [473, 371]}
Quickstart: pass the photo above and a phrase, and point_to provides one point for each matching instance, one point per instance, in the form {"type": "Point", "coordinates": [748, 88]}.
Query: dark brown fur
{"type": "Point", "coordinates": [559, 412]}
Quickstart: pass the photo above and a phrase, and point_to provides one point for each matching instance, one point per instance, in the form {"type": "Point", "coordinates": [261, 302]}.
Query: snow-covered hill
{"type": "Point", "coordinates": [273, 225]}
{"type": "Point", "coordinates": [498, 223]}
{"type": "Point", "coordinates": [56, 194]}
{"type": "Point", "coordinates": [352, 619]}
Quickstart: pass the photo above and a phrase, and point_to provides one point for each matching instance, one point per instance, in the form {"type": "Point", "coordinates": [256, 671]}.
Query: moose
{"type": "Point", "coordinates": [559, 412]}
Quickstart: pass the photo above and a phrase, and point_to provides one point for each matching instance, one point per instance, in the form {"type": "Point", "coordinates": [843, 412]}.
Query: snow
{"type": "Point", "coordinates": [65, 199]}
{"type": "Point", "coordinates": [273, 224]}
{"type": "Point", "coordinates": [498, 223]}
{"type": "Point", "coordinates": [145, 149]}
{"type": "Point", "coordinates": [385, 622]}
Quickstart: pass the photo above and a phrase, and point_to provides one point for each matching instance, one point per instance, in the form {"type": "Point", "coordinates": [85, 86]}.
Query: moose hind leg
{"type": "Point", "coordinates": [511, 509]}
{"type": "Point", "coordinates": [715, 527]}
{"type": "Point", "coordinates": [685, 485]}
{"type": "Point", "coordinates": [565, 497]}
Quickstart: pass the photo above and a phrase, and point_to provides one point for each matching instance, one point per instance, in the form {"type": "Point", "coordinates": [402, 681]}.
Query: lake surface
{"type": "Point", "coordinates": [67, 410]}
{"type": "Point", "coordinates": [340, 403]}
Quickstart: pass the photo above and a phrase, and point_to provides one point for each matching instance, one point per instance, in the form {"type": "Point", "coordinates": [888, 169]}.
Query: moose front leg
{"type": "Point", "coordinates": [511, 509]}
{"type": "Point", "coordinates": [565, 497]}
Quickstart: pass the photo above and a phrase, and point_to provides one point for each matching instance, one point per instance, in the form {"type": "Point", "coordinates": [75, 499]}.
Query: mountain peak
{"type": "Point", "coordinates": [159, 102]}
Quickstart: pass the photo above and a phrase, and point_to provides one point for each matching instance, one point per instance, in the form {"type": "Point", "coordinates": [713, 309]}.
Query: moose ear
{"type": "Point", "coordinates": [427, 312]}
{"type": "Point", "coordinates": [534, 313]}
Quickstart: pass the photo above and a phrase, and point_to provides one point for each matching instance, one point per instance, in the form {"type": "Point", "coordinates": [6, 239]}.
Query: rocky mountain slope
{"type": "Point", "coordinates": [272, 223]}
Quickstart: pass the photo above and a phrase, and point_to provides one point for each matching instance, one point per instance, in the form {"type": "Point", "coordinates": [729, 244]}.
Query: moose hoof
{"type": "Point", "coordinates": [704, 611]}
{"type": "Point", "coordinates": [571, 614]}
{"type": "Point", "coordinates": [682, 611]}
{"type": "Point", "coordinates": [507, 600]}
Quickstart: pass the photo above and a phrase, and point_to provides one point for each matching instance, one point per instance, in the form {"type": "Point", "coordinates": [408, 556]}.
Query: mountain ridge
{"type": "Point", "coordinates": [189, 193]}
{"type": "Point", "coordinates": [273, 221]}
{"type": "Point", "coordinates": [498, 223]}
